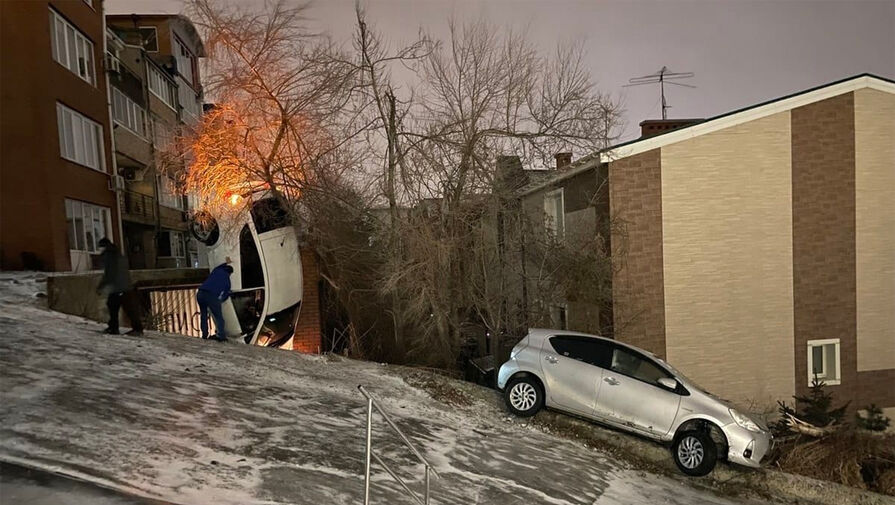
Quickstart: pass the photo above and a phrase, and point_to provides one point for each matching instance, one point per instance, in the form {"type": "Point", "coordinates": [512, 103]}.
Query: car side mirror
{"type": "Point", "coordinates": [669, 383]}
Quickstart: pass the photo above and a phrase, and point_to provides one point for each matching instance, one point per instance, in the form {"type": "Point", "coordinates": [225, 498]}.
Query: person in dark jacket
{"type": "Point", "coordinates": [210, 296]}
{"type": "Point", "coordinates": [116, 283]}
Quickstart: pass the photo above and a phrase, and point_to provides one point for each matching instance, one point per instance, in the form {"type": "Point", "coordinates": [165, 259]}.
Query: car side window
{"type": "Point", "coordinates": [589, 350]}
{"type": "Point", "coordinates": [637, 366]}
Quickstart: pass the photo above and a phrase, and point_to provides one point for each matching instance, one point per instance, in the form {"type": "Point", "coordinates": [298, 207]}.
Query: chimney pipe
{"type": "Point", "coordinates": [563, 160]}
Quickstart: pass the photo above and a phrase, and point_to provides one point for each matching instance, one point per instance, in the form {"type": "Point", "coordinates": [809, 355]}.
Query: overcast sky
{"type": "Point", "coordinates": [742, 51]}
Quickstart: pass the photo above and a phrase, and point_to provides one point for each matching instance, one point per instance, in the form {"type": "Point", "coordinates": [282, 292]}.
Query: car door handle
{"type": "Point", "coordinates": [611, 381]}
{"type": "Point", "coordinates": [550, 359]}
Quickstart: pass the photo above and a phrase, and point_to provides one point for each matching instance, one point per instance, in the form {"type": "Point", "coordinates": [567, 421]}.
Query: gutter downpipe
{"type": "Point", "coordinates": [112, 133]}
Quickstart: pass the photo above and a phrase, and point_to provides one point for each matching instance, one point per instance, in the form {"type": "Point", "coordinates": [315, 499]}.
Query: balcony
{"type": "Point", "coordinates": [138, 207]}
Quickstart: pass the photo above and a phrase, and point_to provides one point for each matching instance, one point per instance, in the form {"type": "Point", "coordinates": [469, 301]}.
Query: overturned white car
{"type": "Point", "coordinates": [266, 283]}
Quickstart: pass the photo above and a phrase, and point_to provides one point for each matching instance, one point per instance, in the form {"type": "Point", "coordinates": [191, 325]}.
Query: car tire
{"type": "Point", "coordinates": [524, 396]}
{"type": "Point", "coordinates": [695, 453]}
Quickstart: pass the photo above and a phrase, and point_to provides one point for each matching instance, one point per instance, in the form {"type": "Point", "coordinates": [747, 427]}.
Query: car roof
{"type": "Point", "coordinates": [540, 334]}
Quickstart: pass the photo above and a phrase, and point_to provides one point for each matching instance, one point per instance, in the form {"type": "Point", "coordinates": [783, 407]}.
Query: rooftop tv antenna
{"type": "Point", "coordinates": [662, 76]}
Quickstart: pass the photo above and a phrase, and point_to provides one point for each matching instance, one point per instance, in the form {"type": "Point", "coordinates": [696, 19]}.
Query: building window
{"type": "Point", "coordinates": [171, 244]}
{"type": "Point", "coordinates": [560, 317]}
{"type": "Point", "coordinates": [554, 208]}
{"type": "Point", "coordinates": [185, 61]}
{"type": "Point", "coordinates": [823, 361]}
{"type": "Point", "coordinates": [149, 36]}
{"type": "Point", "coordinates": [161, 134]}
{"type": "Point", "coordinates": [168, 195]}
{"type": "Point", "coordinates": [87, 224]}
{"type": "Point", "coordinates": [190, 102]}
{"type": "Point", "coordinates": [127, 113]}
{"type": "Point", "coordinates": [161, 87]}
{"type": "Point", "coordinates": [80, 139]}
{"type": "Point", "coordinates": [71, 48]}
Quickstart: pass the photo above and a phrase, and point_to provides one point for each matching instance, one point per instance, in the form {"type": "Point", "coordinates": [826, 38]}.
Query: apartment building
{"type": "Point", "coordinates": [756, 250]}
{"type": "Point", "coordinates": [57, 197]}
{"type": "Point", "coordinates": [156, 95]}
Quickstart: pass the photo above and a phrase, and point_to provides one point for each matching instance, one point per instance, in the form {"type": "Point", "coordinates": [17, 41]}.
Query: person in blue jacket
{"type": "Point", "coordinates": [210, 296]}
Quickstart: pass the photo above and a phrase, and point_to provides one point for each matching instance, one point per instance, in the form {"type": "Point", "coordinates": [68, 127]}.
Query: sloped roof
{"type": "Point", "coordinates": [720, 122]}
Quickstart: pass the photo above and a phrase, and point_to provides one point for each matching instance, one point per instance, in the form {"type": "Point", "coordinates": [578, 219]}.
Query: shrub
{"type": "Point", "coordinates": [874, 420]}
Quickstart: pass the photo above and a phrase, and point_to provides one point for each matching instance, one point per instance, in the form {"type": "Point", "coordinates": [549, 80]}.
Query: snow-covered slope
{"type": "Point", "coordinates": [199, 422]}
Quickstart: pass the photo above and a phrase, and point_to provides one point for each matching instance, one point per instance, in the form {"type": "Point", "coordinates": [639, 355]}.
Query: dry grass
{"type": "Point", "coordinates": [439, 388]}
{"type": "Point", "coordinates": [851, 457]}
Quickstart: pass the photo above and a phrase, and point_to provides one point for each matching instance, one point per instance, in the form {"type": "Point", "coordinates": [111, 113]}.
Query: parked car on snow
{"type": "Point", "coordinates": [263, 246]}
{"type": "Point", "coordinates": [629, 388]}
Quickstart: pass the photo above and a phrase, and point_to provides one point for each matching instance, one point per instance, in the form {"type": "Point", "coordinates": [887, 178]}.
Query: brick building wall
{"type": "Point", "coordinates": [823, 235]}
{"type": "Point", "coordinates": [635, 202]}
{"type": "Point", "coordinates": [308, 330]}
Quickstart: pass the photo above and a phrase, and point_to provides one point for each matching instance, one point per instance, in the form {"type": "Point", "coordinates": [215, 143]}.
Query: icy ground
{"type": "Point", "coordinates": [198, 422]}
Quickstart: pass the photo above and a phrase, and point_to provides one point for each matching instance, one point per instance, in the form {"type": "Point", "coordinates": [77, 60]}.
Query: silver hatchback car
{"type": "Point", "coordinates": [629, 388]}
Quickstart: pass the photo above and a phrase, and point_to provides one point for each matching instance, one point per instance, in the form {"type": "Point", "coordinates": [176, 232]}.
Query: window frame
{"type": "Point", "coordinates": [81, 45]}
{"type": "Point", "coordinates": [582, 338]}
{"type": "Point", "coordinates": [173, 250]}
{"type": "Point", "coordinates": [90, 246]}
{"type": "Point", "coordinates": [823, 343]}
{"type": "Point", "coordinates": [165, 197]}
{"type": "Point", "coordinates": [555, 225]}
{"type": "Point", "coordinates": [131, 110]}
{"type": "Point", "coordinates": [80, 137]}
{"type": "Point", "coordinates": [143, 41]}
{"type": "Point", "coordinates": [179, 49]}
{"type": "Point", "coordinates": [643, 357]}
{"type": "Point", "coordinates": [156, 79]}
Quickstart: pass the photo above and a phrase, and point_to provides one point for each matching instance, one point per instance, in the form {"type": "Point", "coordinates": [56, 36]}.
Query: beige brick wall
{"type": "Point", "coordinates": [727, 229]}
{"type": "Point", "coordinates": [875, 228]}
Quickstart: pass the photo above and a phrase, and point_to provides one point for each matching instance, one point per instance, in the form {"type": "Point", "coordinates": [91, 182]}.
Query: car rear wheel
{"type": "Point", "coordinates": [524, 396]}
{"type": "Point", "coordinates": [695, 453]}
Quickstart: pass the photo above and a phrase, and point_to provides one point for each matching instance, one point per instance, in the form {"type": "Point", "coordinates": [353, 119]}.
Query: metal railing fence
{"type": "Point", "coordinates": [371, 404]}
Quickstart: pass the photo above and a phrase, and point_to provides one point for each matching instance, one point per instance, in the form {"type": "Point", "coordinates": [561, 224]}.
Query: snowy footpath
{"type": "Point", "coordinates": [196, 422]}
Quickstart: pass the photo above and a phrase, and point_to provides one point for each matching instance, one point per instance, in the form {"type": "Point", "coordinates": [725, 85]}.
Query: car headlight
{"type": "Point", "coordinates": [516, 350]}
{"type": "Point", "coordinates": [744, 421]}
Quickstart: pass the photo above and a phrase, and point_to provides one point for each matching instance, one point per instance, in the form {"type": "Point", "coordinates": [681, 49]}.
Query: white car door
{"type": "Point", "coordinates": [569, 364]}
{"type": "Point", "coordinates": [630, 394]}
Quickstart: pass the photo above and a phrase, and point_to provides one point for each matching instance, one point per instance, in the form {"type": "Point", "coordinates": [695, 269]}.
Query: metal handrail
{"type": "Point", "coordinates": [371, 403]}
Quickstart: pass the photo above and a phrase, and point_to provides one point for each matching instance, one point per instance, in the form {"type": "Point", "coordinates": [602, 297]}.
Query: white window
{"type": "Point", "coordinates": [823, 361]}
{"type": "Point", "coordinates": [171, 244]}
{"type": "Point", "coordinates": [161, 133]}
{"type": "Point", "coordinates": [168, 195]}
{"type": "Point", "coordinates": [87, 224]}
{"type": "Point", "coordinates": [190, 102]}
{"type": "Point", "coordinates": [554, 208]}
{"type": "Point", "coordinates": [161, 87]}
{"type": "Point", "coordinates": [127, 113]}
{"type": "Point", "coordinates": [71, 48]}
{"type": "Point", "coordinates": [185, 60]}
{"type": "Point", "coordinates": [80, 139]}
{"type": "Point", "coordinates": [149, 36]}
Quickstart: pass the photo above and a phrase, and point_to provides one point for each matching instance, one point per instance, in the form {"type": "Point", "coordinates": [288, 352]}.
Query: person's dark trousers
{"type": "Point", "coordinates": [210, 303]}
{"type": "Point", "coordinates": [113, 303]}
{"type": "Point", "coordinates": [130, 302]}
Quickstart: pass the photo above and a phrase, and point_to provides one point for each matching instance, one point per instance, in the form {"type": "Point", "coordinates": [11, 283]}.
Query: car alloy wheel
{"type": "Point", "coordinates": [523, 396]}
{"type": "Point", "coordinates": [690, 452]}
{"type": "Point", "coordinates": [694, 452]}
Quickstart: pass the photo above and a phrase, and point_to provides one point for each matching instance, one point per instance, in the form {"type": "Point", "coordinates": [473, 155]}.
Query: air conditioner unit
{"type": "Point", "coordinates": [113, 64]}
{"type": "Point", "coordinates": [116, 183]}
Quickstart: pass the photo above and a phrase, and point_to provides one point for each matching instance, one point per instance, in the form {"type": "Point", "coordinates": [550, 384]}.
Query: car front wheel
{"type": "Point", "coordinates": [695, 453]}
{"type": "Point", "coordinates": [524, 396]}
